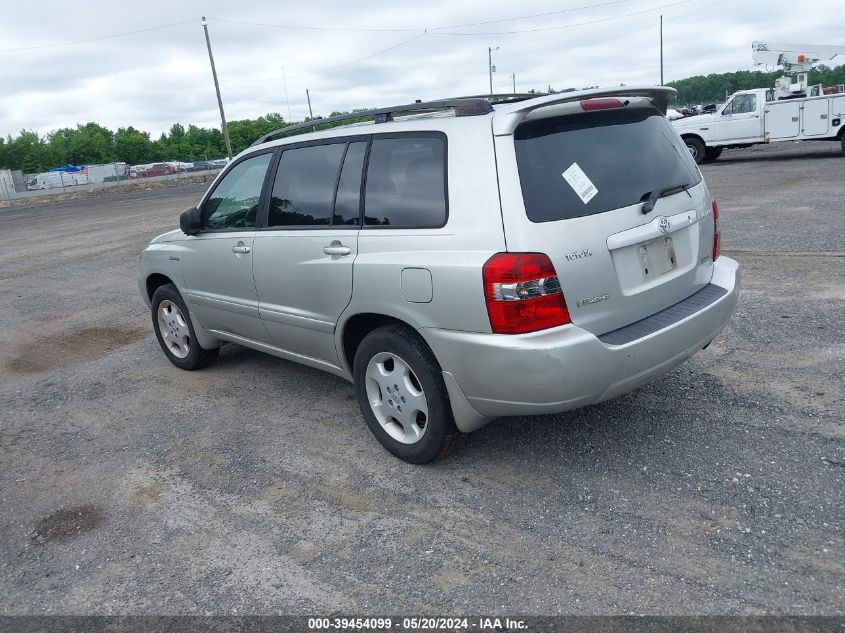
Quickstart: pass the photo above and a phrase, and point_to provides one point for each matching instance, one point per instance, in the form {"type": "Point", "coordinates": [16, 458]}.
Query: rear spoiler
{"type": "Point", "coordinates": [508, 117]}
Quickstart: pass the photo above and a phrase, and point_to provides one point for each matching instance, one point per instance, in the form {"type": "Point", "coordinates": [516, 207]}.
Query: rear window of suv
{"type": "Point", "coordinates": [582, 164]}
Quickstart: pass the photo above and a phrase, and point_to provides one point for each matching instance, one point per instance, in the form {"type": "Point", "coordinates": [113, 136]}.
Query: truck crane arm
{"type": "Point", "coordinates": [794, 57]}
{"type": "Point", "coordinates": [797, 60]}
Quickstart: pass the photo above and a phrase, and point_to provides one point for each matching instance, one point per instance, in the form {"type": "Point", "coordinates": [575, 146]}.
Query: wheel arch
{"type": "Point", "coordinates": [155, 281]}
{"type": "Point", "coordinates": [357, 326]}
{"type": "Point", "coordinates": [687, 135]}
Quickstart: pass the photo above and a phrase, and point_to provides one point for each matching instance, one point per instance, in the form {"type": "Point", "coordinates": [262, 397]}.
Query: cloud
{"type": "Point", "coordinates": [155, 78]}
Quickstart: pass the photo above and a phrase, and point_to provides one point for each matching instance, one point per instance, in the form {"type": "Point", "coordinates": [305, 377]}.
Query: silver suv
{"type": "Point", "coordinates": [457, 260]}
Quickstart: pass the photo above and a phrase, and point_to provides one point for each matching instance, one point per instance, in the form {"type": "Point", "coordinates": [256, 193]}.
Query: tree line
{"type": "Point", "coordinates": [92, 143]}
{"type": "Point", "coordinates": [712, 88]}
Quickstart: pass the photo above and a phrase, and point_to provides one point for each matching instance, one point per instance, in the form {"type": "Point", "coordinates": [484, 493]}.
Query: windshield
{"type": "Point", "coordinates": [582, 164]}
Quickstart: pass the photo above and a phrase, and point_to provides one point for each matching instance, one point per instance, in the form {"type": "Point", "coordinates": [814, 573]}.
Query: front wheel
{"type": "Point", "coordinates": [712, 153]}
{"type": "Point", "coordinates": [175, 331]}
{"type": "Point", "coordinates": [402, 396]}
{"type": "Point", "coordinates": [696, 149]}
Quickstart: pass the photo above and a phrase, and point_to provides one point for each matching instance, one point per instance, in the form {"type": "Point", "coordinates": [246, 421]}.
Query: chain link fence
{"type": "Point", "coordinates": [14, 185]}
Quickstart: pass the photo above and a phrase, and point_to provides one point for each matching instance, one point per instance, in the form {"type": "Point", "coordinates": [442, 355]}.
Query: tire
{"type": "Point", "coordinates": [712, 153]}
{"type": "Point", "coordinates": [842, 142]}
{"type": "Point", "coordinates": [170, 312]}
{"type": "Point", "coordinates": [397, 353]}
{"type": "Point", "coordinates": [696, 149]}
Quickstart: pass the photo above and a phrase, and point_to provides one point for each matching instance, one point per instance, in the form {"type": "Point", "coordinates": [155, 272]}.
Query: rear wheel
{"type": "Point", "coordinates": [175, 332]}
{"type": "Point", "coordinates": [696, 149]}
{"type": "Point", "coordinates": [712, 153]}
{"type": "Point", "coordinates": [402, 396]}
{"type": "Point", "coordinates": [842, 142]}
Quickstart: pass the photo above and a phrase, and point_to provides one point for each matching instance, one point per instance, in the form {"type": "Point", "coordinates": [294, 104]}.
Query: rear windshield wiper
{"type": "Point", "coordinates": [651, 197]}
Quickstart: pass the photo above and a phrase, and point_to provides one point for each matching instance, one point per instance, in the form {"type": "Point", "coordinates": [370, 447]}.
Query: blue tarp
{"type": "Point", "coordinates": [67, 168]}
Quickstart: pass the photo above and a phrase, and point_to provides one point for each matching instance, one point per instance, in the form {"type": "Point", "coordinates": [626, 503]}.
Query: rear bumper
{"type": "Point", "coordinates": [567, 367]}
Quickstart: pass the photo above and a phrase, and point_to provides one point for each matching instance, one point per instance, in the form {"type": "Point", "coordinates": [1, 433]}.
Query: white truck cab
{"type": "Point", "coordinates": [754, 116]}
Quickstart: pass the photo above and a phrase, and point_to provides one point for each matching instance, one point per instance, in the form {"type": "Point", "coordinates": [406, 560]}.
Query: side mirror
{"type": "Point", "coordinates": [190, 221]}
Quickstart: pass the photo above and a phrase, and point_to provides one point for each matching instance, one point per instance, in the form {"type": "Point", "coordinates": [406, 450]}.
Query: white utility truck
{"type": "Point", "coordinates": [791, 111]}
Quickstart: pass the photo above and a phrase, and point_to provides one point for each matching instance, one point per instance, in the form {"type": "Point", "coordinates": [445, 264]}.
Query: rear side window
{"type": "Point", "coordinates": [303, 191]}
{"type": "Point", "coordinates": [582, 164]}
{"type": "Point", "coordinates": [406, 182]}
{"type": "Point", "coordinates": [347, 203]}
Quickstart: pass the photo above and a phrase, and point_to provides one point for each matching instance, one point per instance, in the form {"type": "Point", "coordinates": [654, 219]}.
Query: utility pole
{"type": "Point", "coordinates": [285, 83]}
{"type": "Point", "coordinates": [310, 113]}
{"type": "Point", "coordinates": [224, 126]}
{"type": "Point", "coordinates": [513, 76]}
{"type": "Point", "coordinates": [661, 49]}
{"type": "Point", "coordinates": [490, 67]}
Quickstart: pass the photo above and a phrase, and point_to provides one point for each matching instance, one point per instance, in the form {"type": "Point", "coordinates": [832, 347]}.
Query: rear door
{"type": "Point", "coordinates": [306, 247]}
{"type": "Point", "coordinates": [573, 187]}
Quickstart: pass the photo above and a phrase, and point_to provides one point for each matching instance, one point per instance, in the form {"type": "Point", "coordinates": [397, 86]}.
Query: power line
{"type": "Point", "coordinates": [300, 27]}
{"type": "Point", "coordinates": [96, 39]}
{"type": "Point", "coordinates": [419, 28]}
{"type": "Point", "coordinates": [709, 6]}
{"type": "Point", "coordinates": [528, 17]}
{"type": "Point", "coordinates": [429, 32]}
{"type": "Point", "coordinates": [564, 26]}
{"type": "Point", "coordinates": [360, 59]}
{"type": "Point", "coordinates": [247, 97]}
{"type": "Point", "coordinates": [343, 65]}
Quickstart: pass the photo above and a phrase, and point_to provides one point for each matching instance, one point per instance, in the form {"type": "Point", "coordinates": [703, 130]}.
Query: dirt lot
{"type": "Point", "coordinates": [128, 486]}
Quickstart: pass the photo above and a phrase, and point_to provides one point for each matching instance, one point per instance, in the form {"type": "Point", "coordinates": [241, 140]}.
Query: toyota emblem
{"type": "Point", "coordinates": [663, 224]}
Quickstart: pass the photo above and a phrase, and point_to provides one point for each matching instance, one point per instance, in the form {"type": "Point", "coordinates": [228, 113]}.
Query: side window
{"type": "Point", "coordinates": [347, 202]}
{"type": "Point", "coordinates": [234, 202]}
{"type": "Point", "coordinates": [750, 104]}
{"type": "Point", "coordinates": [406, 182]}
{"type": "Point", "coordinates": [304, 186]}
{"type": "Point", "coordinates": [742, 104]}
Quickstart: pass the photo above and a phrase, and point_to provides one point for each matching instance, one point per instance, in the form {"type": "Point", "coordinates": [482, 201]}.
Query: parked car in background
{"type": "Point", "coordinates": [157, 169]}
{"type": "Point", "coordinates": [201, 165]}
{"type": "Point", "coordinates": [522, 258]}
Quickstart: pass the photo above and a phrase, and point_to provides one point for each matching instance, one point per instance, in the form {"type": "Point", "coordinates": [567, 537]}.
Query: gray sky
{"type": "Point", "coordinates": [154, 78]}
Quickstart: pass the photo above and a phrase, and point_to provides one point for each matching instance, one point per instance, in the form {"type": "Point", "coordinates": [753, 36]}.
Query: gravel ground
{"type": "Point", "coordinates": [130, 487]}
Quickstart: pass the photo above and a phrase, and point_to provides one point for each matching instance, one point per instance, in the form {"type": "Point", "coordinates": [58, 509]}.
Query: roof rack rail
{"type": "Point", "coordinates": [464, 106]}
{"type": "Point", "coordinates": [512, 97]}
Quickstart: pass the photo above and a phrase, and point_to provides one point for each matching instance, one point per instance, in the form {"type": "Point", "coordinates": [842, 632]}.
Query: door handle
{"type": "Point", "coordinates": [336, 248]}
{"type": "Point", "coordinates": [240, 249]}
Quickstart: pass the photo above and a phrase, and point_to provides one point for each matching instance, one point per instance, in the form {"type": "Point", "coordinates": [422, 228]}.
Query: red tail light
{"type": "Point", "coordinates": [523, 293]}
{"type": "Point", "coordinates": [717, 232]}
{"type": "Point", "coordinates": [601, 104]}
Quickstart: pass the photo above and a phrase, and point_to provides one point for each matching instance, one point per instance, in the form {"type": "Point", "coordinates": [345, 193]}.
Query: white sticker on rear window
{"type": "Point", "coordinates": [580, 183]}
